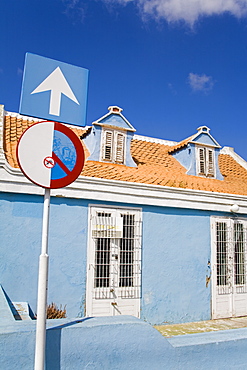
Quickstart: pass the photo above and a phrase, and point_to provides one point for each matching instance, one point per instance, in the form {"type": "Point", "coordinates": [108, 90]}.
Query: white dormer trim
{"type": "Point", "coordinates": [114, 110]}
{"type": "Point", "coordinates": [205, 161]}
{"type": "Point", "coordinates": [204, 130]}
{"type": "Point", "coordinates": [113, 146]}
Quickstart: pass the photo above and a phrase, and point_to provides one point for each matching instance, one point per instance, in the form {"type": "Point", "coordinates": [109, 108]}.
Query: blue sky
{"type": "Point", "coordinates": [172, 65]}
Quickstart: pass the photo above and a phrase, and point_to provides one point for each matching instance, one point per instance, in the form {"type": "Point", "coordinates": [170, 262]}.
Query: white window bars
{"type": "Point", "coordinates": [117, 254]}
{"type": "Point", "coordinates": [231, 249]}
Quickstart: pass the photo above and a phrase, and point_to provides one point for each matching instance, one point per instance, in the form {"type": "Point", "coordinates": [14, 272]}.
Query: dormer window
{"type": "Point", "coordinates": [113, 146]}
{"type": "Point", "coordinates": [205, 162]}
{"type": "Point", "coordinates": [110, 139]}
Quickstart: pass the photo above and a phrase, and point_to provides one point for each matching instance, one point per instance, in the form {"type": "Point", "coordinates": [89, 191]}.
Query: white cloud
{"type": "Point", "coordinates": [202, 83]}
{"type": "Point", "coordinates": [75, 9]}
{"type": "Point", "coordinates": [188, 11]}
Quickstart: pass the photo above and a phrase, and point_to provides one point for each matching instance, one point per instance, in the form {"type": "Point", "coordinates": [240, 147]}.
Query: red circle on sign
{"type": "Point", "coordinates": [52, 159]}
{"type": "Point", "coordinates": [49, 162]}
{"type": "Point", "coordinates": [80, 158]}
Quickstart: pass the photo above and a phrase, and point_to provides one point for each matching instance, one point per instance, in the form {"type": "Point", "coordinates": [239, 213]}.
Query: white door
{"type": "Point", "coordinates": [114, 262]}
{"type": "Point", "coordinates": [229, 270]}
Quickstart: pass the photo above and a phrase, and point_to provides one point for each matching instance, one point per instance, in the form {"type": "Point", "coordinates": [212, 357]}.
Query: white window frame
{"type": "Point", "coordinates": [113, 299]}
{"type": "Point", "coordinates": [228, 266]}
{"type": "Point", "coordinates": [113, 146]}
{"type": "Point", "coordinates": [205, 161]}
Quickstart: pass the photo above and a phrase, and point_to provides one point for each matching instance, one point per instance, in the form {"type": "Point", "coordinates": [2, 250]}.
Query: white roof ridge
{"type": "Point", "coordinates": [33, 119]}
{"type": "Point", "coordinates": [154, 140]}
{"type": "Point", "coordinates": [230, 151]}
{"type": "Point", "coordinates": [20, 116]}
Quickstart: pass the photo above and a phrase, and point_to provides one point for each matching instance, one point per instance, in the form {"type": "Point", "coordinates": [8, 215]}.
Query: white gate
{"type": "Point", "coordinates": [114, 262]}
{"type": "Point", "coordinates": [229, 268]}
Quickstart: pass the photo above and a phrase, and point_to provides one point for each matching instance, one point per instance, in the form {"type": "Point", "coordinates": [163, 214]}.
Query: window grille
{"type": "Point", "coordinates": [239, 254]}
{"type": "Point", "coordinates": [117, 268]}
{"type": "Point", "coordinates": [222, 253]}
{"type": "Point", "coordinates": [231, 257]}
{"type": "Point", "coordinates": [127, 252]}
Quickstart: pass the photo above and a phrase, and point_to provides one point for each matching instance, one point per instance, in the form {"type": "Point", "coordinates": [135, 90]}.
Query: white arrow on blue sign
{"type": "Point", "coordinates": [54, 90]}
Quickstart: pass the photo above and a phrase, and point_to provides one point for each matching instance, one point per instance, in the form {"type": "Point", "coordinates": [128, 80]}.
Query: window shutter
{"type": "Point", "coordinates": [107, 155]}
{"type": "Point", "coordinates": [202, 164]}
{"type": "Point", "coordinates": [120, 148]}
{"type": "Point", "coordinates": [210, 163]}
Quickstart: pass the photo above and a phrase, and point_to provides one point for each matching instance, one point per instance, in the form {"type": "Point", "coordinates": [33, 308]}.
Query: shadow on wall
{"type": "Point", "coordinates": [53, 344]}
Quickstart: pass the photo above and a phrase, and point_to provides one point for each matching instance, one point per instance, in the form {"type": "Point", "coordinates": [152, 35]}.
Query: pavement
{"type": "Point", "coordinates": [202, 326]}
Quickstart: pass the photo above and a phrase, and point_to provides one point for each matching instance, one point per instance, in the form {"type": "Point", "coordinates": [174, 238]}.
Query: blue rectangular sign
{"type": "Point", "coordinates": [54, 90]}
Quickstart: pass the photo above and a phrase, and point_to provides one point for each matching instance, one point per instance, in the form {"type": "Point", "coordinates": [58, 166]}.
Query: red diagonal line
{"type": "Point", "coordinates": [48, 161]}
{"type": "Point", "coordinates": [60, 163]}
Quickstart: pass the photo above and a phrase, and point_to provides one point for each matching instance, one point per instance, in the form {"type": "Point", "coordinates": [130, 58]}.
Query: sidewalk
{"type": "Point", "coordinates": [202, 326]}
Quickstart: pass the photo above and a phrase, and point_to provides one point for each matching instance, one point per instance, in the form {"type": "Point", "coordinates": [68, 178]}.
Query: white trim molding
{"type": "Point", "coordinates": [91, 188]}
{"type": "Point", "coordinates": [154, 140]}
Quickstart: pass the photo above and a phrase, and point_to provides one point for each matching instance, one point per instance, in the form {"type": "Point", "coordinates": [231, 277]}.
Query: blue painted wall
{"type": "Point", "coordinates": [175, 254]}
{"type": "Point", "coordinates": [176, 251]}
{"type": "Point", "coordinates": [120, 343]}
{"type": "Point", "coordinates": [21, 229]}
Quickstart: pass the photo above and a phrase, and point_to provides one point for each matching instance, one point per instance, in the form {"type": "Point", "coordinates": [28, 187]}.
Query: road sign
{"type": "Point", "coordinates": [50, 155]}
{"type": "Point", "coordinates": [54, 90]}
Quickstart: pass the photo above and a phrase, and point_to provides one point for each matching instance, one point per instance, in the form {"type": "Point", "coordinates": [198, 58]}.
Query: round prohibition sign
{"type": "Point", "coordinates": [49, 162]}
{"type": "Point", "coordinates": [50, 155]}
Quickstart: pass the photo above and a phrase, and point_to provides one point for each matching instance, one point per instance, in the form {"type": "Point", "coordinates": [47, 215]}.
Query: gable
{"type": "Point", "coordinates": [199, 154]}
{"type": "Point", "coordinates": [110, 139]}
{"type": "Point", "coordinates": [204, 137]}
{"type": "Point", "coordinates": [115, 119]}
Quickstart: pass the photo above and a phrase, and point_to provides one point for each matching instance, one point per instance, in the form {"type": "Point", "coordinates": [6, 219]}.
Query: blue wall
{"type": "Point", "coordinates": [176, 251]}
{"type": "Point", "coordinates": [175, 254]}
{"type": "Point", "coordinates": [120, 343]}
{"type": "Point", "coordinates": [21, 230]}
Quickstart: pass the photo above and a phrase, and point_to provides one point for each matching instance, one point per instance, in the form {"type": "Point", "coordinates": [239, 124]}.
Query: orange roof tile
{"type": "Point", "coordinates": [155, 164]}
{"type": "Point", "coordinates": [181, 144]}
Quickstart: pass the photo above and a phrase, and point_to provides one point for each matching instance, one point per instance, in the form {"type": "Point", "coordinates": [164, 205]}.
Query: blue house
{"type": "Point", "coordinates": [151, 228]}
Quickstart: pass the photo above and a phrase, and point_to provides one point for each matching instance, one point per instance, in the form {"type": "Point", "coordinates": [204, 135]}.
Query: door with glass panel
{"type": "Point", "coordinates": [114, 262]}
{"type": "Point", "coordinates": [229, 279]}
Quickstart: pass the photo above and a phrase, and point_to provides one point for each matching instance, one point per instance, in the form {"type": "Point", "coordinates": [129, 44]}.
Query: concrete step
{"type": "Point", "coordinates": [202, 326]}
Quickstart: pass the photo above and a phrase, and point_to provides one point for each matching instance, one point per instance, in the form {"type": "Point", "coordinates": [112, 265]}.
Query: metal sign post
{"type": "Point", "coordinates": [51, 156]}
{"type": "Point", "coordinates": [42, 289]}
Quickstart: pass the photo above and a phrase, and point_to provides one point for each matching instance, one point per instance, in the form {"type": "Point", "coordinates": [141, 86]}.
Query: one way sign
{"type": "Point", "coordinates": [54, 90]}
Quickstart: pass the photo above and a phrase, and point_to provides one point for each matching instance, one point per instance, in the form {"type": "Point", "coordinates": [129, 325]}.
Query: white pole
{"type": "Point", "coordinates": [42, 289]}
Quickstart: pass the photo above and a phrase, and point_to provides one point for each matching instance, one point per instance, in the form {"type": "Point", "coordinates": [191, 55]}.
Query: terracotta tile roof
{"type": "Point", "coordinates": [155, 164]}
{"type": "Point", "coordinates": [180, 145]}
{"type": "Point", "coordinates": [14, 126]}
